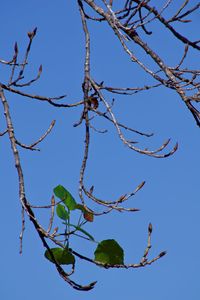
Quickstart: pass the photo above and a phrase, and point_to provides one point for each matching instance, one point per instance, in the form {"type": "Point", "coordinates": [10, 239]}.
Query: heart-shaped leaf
{"type": "Point", "coordinates": [62, 256]}
{"type": "Point", "coordinates": [109, 252]}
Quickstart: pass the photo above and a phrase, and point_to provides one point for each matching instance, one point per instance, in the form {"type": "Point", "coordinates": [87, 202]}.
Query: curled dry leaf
{"type": "Point", "coordinates": [93, 102]}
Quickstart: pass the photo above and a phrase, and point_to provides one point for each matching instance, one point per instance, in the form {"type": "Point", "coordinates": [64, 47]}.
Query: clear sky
{"type": "Point", "coordinates": [170, 198]}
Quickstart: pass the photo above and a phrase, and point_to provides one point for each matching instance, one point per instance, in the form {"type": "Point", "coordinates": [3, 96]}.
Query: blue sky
{"type": "Point", "coordinates": [170, 198]}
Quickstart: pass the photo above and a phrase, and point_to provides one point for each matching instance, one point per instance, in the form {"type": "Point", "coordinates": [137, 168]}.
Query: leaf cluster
{"type": "Point", "coordinates": [106, 252]}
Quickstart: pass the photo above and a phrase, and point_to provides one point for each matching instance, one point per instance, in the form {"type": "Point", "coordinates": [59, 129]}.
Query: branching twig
{"type": "Point", "coordinates": [31, 147]}
{"type": "Point", "coordinates": [129, 24]}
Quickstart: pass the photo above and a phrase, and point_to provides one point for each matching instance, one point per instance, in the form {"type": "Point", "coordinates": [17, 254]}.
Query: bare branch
{"type": "Point", "coordinates": [31, 147]}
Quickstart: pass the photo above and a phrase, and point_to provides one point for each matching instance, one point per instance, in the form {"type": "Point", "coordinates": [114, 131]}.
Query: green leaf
{"type": "Point", "coordinates": [61, 212]}
{"type": "Point", "coordinates": [62, 256]}
{"type": "Point", "coordinates": [65, 196]}
{"type": "Point", "coordinates": [60, 192]}
{"type": "Point", "coordinates": [83, 231]}
{"type": "Point", "coordinates": [70, 202]}
{"type": "Point", "coordinates": [109, 252]}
